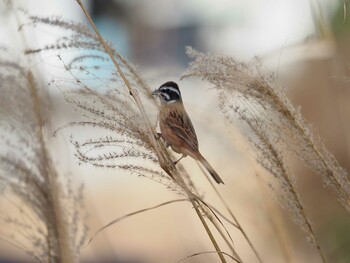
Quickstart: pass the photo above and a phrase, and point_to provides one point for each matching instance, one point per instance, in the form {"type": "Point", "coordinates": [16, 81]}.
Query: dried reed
{"type": "Point", "coordinates": [46, 223]}
{"type": "Point", "coordinates": [130, 142]}
{"type": "Point", "coordinates": [274, 128]}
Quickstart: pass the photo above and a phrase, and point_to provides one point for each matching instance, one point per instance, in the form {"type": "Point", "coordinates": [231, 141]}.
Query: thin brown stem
{"type": "Point", "coordinates": [227, 241]}
{"type": "Point", "coordinates": [212, 239]}
{"type": "Point", "coordinates": [237, 224]}
{"type": "Point", "coordinates": [56, 219]}
{"type": "Point", "coordinates": [164, 159]}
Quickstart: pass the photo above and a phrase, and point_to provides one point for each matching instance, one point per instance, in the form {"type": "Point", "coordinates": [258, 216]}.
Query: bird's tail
{"type": "Point", "coordinates": [210, 169]}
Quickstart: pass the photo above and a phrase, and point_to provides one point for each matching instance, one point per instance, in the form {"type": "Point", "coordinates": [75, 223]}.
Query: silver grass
{"type": "Point", "coordinates": [247, 93]}
{"type": "Point", "coordinates": [101, 97]}
{"type": "Point", "coordinates": [105, 105]}
{"type": "Point", "coordinates": [46, 220]}
{"type": "Point", "coordinates": [274, 128]}
{"type": "Point", "coordinates": [125, 143]}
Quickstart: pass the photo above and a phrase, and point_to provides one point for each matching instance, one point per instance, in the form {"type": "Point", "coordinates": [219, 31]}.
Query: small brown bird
{"type": "Point", "coordinates": [176, 126]}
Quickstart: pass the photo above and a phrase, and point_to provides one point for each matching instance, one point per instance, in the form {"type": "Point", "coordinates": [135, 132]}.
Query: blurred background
{"type": "Point", "coordinates": [304, 43]}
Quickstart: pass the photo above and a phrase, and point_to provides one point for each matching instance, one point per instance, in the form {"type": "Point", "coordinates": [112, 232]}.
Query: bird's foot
{"type": "Point", "coordinates": [179, 159]}
{"type": "Point", "coordinates": [158, 136]}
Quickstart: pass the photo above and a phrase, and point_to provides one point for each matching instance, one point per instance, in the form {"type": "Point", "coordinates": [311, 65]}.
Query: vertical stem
{"type": "Point", "coordinates": [233, 217]}
{"type": "Point", "coordinates": [162, 158]}
{"type": "Point", "coordinates": [132, 91]}
{"type": "Point", "coordinates": [57, 219]}
{"type": "Point", "coordinates": [212, 239]}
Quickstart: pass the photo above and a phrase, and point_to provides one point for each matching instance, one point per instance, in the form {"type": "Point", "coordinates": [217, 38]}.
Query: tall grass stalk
{"type": "Point", "coordinates": [274, 128]}
{"type": "Point", "coordinates": [47, 223]}
{"type": "Point", "coordinates": [163, 157]}
{"type": "Point", "coordinates": [27, 172]}
{"type": "Point", "coordinates": [234, 218]}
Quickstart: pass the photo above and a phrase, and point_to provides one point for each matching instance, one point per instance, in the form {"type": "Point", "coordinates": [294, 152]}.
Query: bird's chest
{"type": "Point", "coordinates": [168, 133]}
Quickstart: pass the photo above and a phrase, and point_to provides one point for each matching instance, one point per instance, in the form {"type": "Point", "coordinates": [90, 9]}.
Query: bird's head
{"type": "Point", "coordinates": [168, 93]}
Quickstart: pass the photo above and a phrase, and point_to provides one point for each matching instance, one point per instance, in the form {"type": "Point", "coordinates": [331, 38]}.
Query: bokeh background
{"type": "Point", "coordinates": [304, 43]}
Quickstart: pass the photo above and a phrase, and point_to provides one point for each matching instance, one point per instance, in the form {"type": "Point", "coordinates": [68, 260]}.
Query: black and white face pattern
{"type": "Point", "coordinates": [169, 92]}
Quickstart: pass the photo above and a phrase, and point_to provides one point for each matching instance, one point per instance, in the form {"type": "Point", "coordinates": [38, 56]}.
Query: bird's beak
{"type": "Point", "coordinates": [155, 93]}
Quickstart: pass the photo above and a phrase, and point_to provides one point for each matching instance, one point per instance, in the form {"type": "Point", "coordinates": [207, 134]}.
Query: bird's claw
{"type": "Point", "coordinates": [158, 136]}
{"type": "Point", "coordinates": [179, 159]}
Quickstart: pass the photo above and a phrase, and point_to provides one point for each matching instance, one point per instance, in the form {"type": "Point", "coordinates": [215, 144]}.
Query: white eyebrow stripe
{"type": "Point", "coordinates": [171, 88]}
{"type": "Point", "coordinates": [166, 95]}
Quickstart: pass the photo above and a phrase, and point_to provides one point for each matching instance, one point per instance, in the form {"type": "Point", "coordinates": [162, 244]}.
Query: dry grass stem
{"type": "Point", "coordinates": [247, 94]}
{"type": "Point", "coordinates": [41, 226]}
{"type": "Point", "coordinates": [114, 102]}
{"type": "Point", "coordinates": [163, 157]}
{"type": "Point", "coordinates": [114, 221]}
{"type": "Point", "coordinates": [205, 253]}
{"type": "Point", "coordinates": [46, 223]}
{"type": "Point", "coordinates": [130, 142]}
{"type": "Point", "coordinates": [274, 128]}
{"type": "Point", "coordinates": [235, 220]}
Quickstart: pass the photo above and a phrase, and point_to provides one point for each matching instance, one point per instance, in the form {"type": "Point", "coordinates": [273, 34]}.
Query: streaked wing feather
{"type": "Point", "coordinates": [181, 124]}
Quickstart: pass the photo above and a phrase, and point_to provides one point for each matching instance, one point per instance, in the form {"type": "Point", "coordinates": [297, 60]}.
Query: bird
{"type": "Point", "coordinates": [176, 127]}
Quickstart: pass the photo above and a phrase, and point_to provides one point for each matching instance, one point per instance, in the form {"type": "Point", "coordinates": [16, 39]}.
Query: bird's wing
{"type": "Point", "coordinates": [182, 126]}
